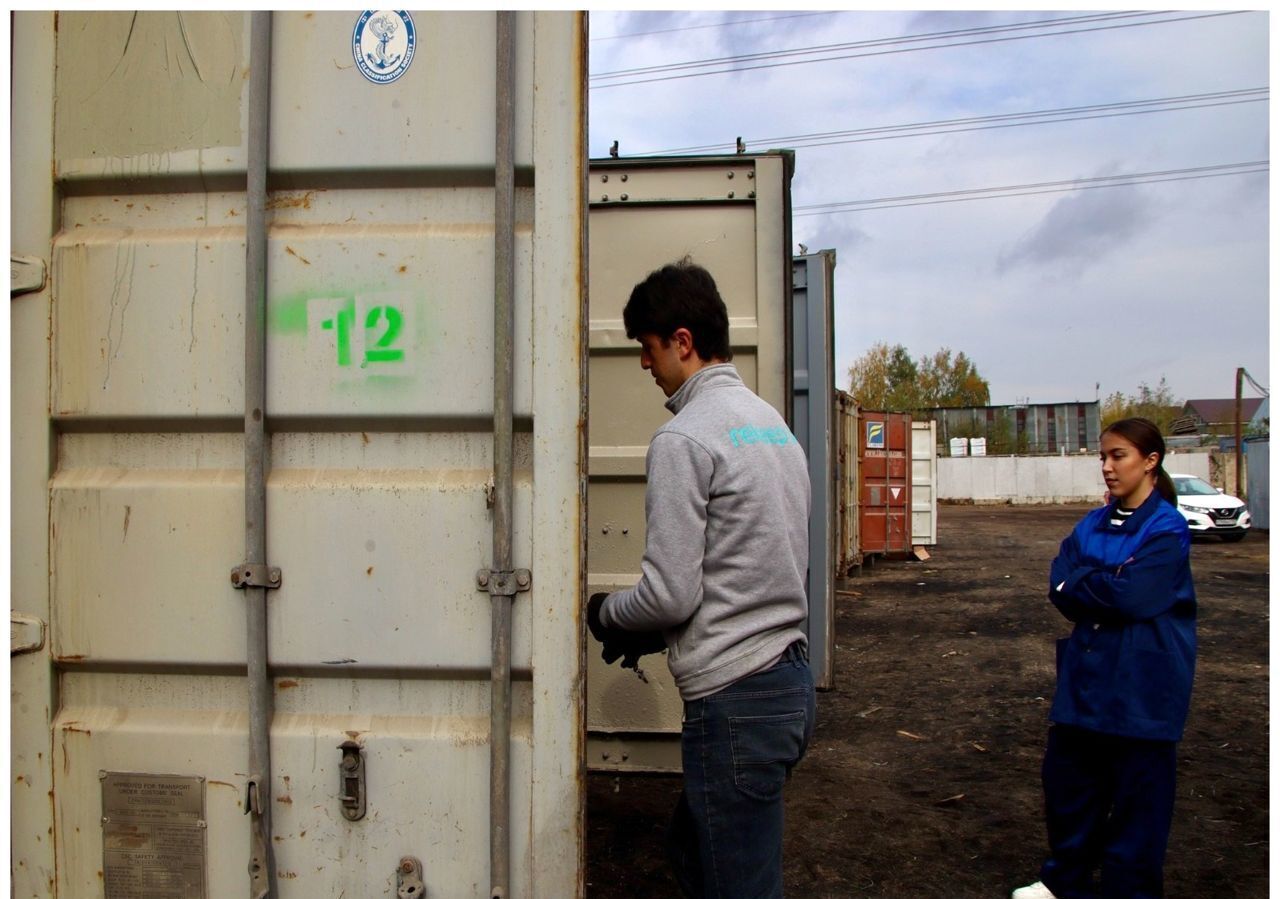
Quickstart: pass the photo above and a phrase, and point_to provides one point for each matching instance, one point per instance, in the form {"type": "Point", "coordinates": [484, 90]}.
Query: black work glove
{"type": "Point", "coordinates": [618, 643]}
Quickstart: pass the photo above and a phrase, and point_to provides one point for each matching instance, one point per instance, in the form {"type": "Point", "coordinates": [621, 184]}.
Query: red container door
{"type": "Point", "coordinates": [884, 443]}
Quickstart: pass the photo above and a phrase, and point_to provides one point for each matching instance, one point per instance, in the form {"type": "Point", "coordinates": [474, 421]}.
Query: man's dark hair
{"type": "Point", "coordinates": [680, 295]}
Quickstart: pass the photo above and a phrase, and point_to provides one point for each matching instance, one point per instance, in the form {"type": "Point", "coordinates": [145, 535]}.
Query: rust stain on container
{"type": "Point", "coordinates": [285, 800]}
{"type": "Point", "coordinates": [287, 684]}
{"type": "Point", "coordinates": [295, 254]}
{"type": "Point", "coordinates": [291, 201]}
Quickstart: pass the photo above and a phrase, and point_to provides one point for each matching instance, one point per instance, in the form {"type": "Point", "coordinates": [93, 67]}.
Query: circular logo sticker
{"type": "Point", "coordinates": [383, 44]}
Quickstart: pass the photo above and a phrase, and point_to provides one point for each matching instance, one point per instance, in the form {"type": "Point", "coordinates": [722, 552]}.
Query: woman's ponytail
{"type": "Point", "coordinates": [1164, 484]}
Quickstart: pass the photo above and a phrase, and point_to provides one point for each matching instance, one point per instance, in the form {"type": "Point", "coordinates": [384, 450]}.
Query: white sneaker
{"type": "Point", "coordinates": [1036, 890]}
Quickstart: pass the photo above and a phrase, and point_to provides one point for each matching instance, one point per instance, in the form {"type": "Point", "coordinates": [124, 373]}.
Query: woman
{"type": "Point", "coordinates": [1123, 577]}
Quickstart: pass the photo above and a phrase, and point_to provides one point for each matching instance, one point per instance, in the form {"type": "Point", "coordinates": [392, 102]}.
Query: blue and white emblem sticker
{"type": "Point", "coordinates": [875, 435]}
{"type": "Point", "coordinates": [383, 44]}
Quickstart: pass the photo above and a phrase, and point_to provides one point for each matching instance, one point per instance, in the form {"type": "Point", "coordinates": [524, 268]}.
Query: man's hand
{"type": "Point", "coordinates": [618, 643]}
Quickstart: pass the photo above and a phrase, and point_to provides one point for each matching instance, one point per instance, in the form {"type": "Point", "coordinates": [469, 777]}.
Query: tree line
{"type": "Point", "coordinates": [887, 378]}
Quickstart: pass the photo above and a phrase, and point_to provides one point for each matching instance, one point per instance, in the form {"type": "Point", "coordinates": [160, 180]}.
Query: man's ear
{"type": "Point", "coordinates": [683, 339]}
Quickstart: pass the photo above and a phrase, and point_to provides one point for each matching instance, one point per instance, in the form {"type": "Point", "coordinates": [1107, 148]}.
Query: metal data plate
{"type": "Point", "coordinates": [153, 836]}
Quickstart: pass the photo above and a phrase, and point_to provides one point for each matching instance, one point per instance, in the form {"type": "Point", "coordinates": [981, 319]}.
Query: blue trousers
{"type": "Point", "coordinates": [1109, 806]}
{"type": "Point", "coordinates": [738, 747]}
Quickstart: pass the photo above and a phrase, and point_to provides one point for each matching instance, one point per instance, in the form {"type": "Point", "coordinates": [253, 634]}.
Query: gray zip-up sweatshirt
{"type": "Point", "coordinates": [727, 536]}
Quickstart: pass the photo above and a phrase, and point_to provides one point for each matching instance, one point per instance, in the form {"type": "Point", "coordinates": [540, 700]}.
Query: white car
{"type": "Point", "coordinates": [1210, 511]}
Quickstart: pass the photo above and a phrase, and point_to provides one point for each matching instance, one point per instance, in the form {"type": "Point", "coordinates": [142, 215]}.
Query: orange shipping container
{"type": "Point", "coordinates": [884, 450]}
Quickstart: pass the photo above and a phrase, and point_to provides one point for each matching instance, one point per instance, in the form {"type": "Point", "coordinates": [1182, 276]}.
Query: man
{"type": "Point", "coordinates": [723, 580]}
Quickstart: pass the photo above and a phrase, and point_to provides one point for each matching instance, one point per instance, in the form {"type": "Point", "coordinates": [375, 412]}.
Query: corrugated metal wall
{"type": "Point", "coordinates": [1258, 466]}
{"type": "Point", "coordinates": [1036, 428]}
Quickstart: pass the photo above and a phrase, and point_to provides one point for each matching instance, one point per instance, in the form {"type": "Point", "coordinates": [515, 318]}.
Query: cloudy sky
{"type": "Point", "coordinates": [1051, 291]}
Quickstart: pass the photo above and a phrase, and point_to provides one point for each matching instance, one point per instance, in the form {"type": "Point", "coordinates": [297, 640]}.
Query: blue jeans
{"type": "Point", "coordinates": [738, 747]}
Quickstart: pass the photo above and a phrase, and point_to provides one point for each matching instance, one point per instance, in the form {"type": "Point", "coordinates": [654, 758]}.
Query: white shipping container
{"type": "Point", "coordinates": [130, 700]}
{"type": "Point", "coordinates": [924, 483]}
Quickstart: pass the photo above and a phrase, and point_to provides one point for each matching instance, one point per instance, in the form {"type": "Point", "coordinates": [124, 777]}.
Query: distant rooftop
{"type": "Point", "coordinates": [1222, 411]}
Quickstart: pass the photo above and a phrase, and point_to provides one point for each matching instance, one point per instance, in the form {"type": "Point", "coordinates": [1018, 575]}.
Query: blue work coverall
{"type": "Point", "coordinates": [1124, 689]}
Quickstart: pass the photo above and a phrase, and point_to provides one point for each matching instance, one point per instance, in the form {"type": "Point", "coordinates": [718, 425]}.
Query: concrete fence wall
{"type": "Point", "coordinates": [1038, 479]}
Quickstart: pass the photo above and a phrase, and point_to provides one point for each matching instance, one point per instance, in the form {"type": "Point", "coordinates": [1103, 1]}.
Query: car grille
{"type": "Point", "coordinates": [1224, 516]}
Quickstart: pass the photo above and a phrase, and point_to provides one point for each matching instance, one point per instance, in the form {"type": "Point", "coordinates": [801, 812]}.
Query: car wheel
{"type": "Point", "coordinates": [1234, 538]}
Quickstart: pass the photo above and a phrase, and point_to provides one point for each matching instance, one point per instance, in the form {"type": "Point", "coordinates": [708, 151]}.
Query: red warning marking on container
{"type": "Point", "coordinates": [895, 491]}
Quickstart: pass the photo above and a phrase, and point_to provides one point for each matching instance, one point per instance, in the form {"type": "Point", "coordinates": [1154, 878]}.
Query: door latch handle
{"type": "Point", "coordinates": [351, 788]}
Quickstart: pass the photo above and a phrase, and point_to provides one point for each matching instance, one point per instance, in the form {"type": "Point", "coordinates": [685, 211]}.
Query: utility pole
{"type": "Point", "coordinates": [1239, 434]}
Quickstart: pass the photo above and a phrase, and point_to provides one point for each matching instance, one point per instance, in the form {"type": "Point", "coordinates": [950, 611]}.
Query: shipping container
{"type": "Point", "coordinates": [924, 483]}
{"type": "Point", "coordinates": [730, 214]}
{"type": "Point", "coordinates": [813, 412]}
{"type": "Point", "coordinates": [297, 463]}
{"type": "Point", "coordinates": [848, 548]}
{"type": "Point", "coordinates": [884, 477]}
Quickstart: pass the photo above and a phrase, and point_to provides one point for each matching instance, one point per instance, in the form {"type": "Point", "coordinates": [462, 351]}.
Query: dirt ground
{"type": "Point", "coordinates": [923, 776]}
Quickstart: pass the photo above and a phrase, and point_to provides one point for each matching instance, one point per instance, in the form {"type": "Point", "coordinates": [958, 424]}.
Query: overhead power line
{"type": "Point", "coordinates": [630, 34]}
{"type": "Point", "coordinates": [988, 122]}
{"type": "Point", "coordinates": [873, 42]}
{"type": "Point", "coordinates": [1256, 386]}
{"type": "Point", "coordinates": [1040, 187]}
{"type": "Point", "coordinates": [731, 63]}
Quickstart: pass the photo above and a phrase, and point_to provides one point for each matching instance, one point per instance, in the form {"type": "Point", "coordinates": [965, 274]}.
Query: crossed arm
{"type": "Point", "coordinates": [1142, 587]}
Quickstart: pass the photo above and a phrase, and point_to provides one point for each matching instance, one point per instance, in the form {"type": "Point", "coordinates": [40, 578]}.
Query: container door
{"type": "Point", "coordinates": [885, 477]}
{"type": "Point", "coordinates": [729, 214]}
{"type": "Point", "coordinates": [924, 480]}
{"type": "Point", "coordinates": [848, 456]}
{"type": "Point", "coordinates": [379, 413]}
{"type": "Point", "coordinates": [813, 352]}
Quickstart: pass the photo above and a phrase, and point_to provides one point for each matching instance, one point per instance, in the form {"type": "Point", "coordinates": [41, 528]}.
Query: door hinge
{"type": "Point", "coordinates": [26, 274]}
{"type": "Point", "coordinates": [26, 633]}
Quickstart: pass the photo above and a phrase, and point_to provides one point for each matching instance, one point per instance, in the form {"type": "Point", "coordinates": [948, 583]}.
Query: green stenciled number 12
{"type": "Point", "coordinates": [388, 317]}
